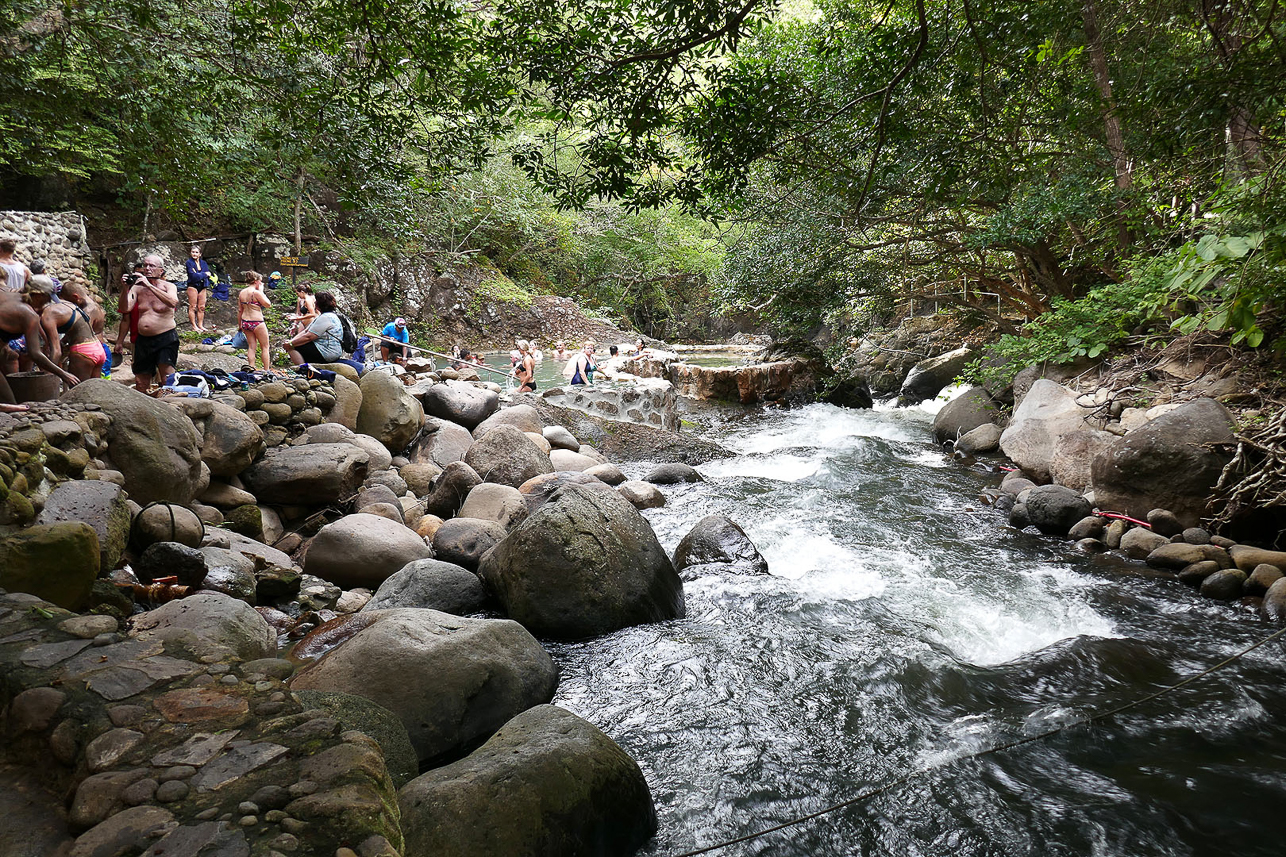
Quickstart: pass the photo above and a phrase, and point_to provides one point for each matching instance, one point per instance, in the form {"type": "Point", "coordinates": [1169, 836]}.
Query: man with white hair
{"type": "Point", "coordinates": [157, 348]}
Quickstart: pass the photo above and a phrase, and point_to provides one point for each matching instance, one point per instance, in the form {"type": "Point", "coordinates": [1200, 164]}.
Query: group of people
{"type": "Point", "coordinates": [54, 327]}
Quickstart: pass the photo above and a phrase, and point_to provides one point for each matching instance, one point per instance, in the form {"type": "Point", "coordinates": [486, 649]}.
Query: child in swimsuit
{"type": "Point", "coordinates": [251, 302]}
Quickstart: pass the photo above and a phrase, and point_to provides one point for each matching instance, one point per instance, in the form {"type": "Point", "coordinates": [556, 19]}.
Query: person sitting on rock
{"type": "Point", "coordinates": [323, 341]}
{"type": "Point", "coordinates": [19, 319]}
{"type": "Point", "coordinates": [68, 330]}
{"type": "Point", "coordinates": [395, 331]}
{"type": "Point", "coordinates": [305, 309]}
{"type": "Point", "coordinates": [251, 302]}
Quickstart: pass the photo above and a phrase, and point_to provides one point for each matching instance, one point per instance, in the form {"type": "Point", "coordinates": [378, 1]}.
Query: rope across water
{"type": "Point", "coordinates": [916, 774]}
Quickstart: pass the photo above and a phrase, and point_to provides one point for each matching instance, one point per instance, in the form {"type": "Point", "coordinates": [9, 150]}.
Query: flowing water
{"type": "Point", "coordinates": [902, 627]}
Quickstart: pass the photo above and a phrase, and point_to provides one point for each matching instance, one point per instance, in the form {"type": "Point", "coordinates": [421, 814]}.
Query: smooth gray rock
{"type": "Point", "coordinates": [560, 438]}
{"type": "Point", "coordinates": [101, 505]}
{"type": "Point", "coordinates": [970, 410]}
{"type": "Point", "coordinates": [431, 584]}
{"type": "Point", "coordinates": [152, 443]}
{"type": "Point", "coordinates": [361, 714]}
{"type": "Point", "coordinates": [983, 439]}
{"type": "Point", "coordinates": [363, 550]}
{"type": "Point", "coordinates": [525, 418]}
{"type": "Point", "coordinates": [507, 456]}
{"type": "Point", "coordinates": [1168, 463]}
{"type": "Point", "coordinates": [314, 474]}
{"type": "Point", "coordinates": [460, 403]}
{"type": "Point", "coordinates": [451, 681]}
{"type": "Point", "coordinates": [929, 377]}
{"type": "Point", "coordinates": [716, 542]}
{"type": "Point", "coordinates": [229, 439]}
{"type": "Point", "coordinates": [463, 541]}
{"type": "Point", "coordinates": [451, 489]}
{"type": "Point", "coordinates": [642, 495]}
{"type": "Point", "coordinates": [1054, 509]}
{"type": "Point", "coordinates": [208, 624]}
{"type": "Point", "coordinates": [1047, 413]}
{"type": "Point", "coordinates": [441, 442]}
{"type": "Point", "coordinates": [566, 788]}
{"type": "Point", "coordinates": [388, 413]}
{"type": "Point", "coordinates": [502, 504]}
{"type": "Point", "coordinates": [674, 473]}
{"type": "Point", "coordinates": [585, 563]}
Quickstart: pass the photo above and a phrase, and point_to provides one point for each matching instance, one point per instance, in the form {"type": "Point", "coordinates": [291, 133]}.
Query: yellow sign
{"type": "Point", "coordinates": [294, 261]}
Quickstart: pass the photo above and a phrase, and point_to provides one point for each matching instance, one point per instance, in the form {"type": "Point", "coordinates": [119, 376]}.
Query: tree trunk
{"type": "Point", "coordinates": [1243, 134]}
{"type": "Point", "coordinates": [1122, 166]}
{"type": "Point", "coordinates": [299, 204]}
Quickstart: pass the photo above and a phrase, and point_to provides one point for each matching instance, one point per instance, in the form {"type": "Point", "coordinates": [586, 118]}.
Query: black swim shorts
{"type": "Point", "coordinates": [152, 351]}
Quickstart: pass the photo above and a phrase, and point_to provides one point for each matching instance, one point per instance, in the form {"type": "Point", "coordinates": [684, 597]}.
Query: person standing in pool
{"type": "Point", "coordinates": [525, 371]}
{"type": "Point", "coordinates": [251, 302]}
{"type": "Point", "coordinates": [198, 282]}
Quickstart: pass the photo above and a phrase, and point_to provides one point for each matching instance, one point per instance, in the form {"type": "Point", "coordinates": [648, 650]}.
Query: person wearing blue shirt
{"type": "Point", "coordinates": [394, 330]}
{"type": "Point", "coordinates": [198, 282]}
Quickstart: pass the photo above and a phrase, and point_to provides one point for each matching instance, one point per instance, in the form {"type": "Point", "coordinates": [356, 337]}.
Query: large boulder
{"type": "Point", "coordinates": [964, 413]}
{"type": "Point", "coordinates": [585, 563]}
{"type": "Point", "coordinates": [312, 474]}
{"type": "Point", "coordinates": [1054, 509]}
{"type": "Point", "coordinates": [503, 504]}
{"type": "Point", "coordinates": [348, 403]}
{"type": "Point", "coordinates": [451, 681]}
{"type": "Point", "coordinates": [363, 550]}
{"type": "Point", "coordinates": [460, 403]}
{"type": "Point", "coordinates": [525, 418]}
{"type": "Point", "coordinates": [717, 543]}
{"type": "Point", "coordinates": [1047, 413]}
{"type": "Point", "coordinates": [229, 439]}
{"type": "Point", "coordinates": [56, 562]}
{"type": "Point", "coordinates": [151, 443]}
{"type": "Point", "coordinates": [441, 443]}
{"type": "Point", "coordinates": [1172, 462]}
{"type": "Point", "coordinates": [102, 505]}
{"type": "Point", "coordinates": [209, 625]}
{"type": "Point", "coordinates": [547, 783]}
{"type": "Point", "coordinates": [388, 413]}
{"type": "Point", "coordinates": [433, 585]}
{"type": "Point", "coordinates": [1074, 457]}
{"type": "Point", "coordinates": [507, 456]}
{"type": "Point", "coordinates": [928, 377]}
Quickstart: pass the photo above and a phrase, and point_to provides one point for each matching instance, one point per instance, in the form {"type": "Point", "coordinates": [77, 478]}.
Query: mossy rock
{"type": "Point", "coordinates": [369, 718]}
{"type": "Point", "coordinates": [247, 520]}
{"type": "Point", "coordinates": [57, 562]}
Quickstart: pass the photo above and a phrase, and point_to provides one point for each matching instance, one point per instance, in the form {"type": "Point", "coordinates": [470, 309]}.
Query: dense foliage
{"type": "Point", "coordinates": [1002, 155]}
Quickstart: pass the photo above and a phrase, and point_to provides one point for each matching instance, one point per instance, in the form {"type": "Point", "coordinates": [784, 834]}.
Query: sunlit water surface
{"type": "Point", "coordinates": [903, 626]}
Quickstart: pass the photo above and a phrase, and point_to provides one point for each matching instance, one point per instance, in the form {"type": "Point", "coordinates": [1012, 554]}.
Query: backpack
{"type": "Point", "coordinates": [348, 340]}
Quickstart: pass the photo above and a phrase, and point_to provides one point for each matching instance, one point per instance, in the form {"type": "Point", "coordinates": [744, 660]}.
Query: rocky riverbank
{"type": "Point", "coordinates": [305, 617]}
{"type": "Point", "coordinates": [1137, 481]}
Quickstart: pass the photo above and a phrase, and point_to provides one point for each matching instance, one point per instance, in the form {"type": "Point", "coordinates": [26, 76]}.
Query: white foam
{"type": "Point", "coordinates": [783, 468]}
{"type": "Point", "coordinates": [823, 426]}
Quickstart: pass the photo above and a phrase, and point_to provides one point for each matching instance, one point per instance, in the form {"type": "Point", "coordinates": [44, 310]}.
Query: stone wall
{"type": "Point", "coordinates": [649, 401]}
{"type": "Point", "coordinates": [58, 238]}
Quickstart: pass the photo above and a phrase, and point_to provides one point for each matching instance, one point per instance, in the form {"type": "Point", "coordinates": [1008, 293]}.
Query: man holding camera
{"type": "Point", "coordinates": [156, 348]}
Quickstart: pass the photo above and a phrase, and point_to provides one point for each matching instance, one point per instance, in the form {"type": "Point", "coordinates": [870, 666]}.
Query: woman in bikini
{"type": "Point", "coordinates": [78, 295]}
{"type": "Point", "coordinates": [305, 309]}
{"type": "Point", "coordinates": [68, 330]}
{"type": "Point", "coordinates": [251, 302]}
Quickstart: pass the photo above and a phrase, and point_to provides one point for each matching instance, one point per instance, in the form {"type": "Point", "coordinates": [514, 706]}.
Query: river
{"type": "Point", "coordinates": [903, 626]}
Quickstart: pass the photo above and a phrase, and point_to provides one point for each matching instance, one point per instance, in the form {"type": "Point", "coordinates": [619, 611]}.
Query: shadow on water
{"type": "Point", "coordinates": [903, 626]}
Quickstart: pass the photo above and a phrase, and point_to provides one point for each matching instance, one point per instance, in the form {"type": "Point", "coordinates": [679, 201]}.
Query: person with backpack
{"type": "Point", "coordinates": [323, 340]}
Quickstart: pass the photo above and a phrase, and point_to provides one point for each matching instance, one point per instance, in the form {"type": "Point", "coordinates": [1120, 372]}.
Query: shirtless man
{"type": "Point", "coordinates": [157, 348]}
{"type": "Point", "coordinates": [17, 319]}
